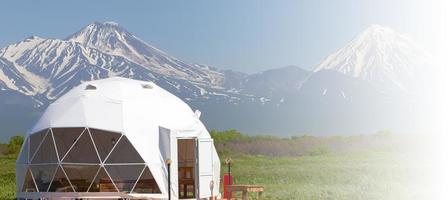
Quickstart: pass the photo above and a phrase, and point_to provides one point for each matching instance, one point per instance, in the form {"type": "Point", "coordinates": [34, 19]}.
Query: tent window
{"type": "Point", "coordinates": [28, 185]}
{"type": "Point", "coordinates": [102, 183]}
{"type": "Point", "coordinates": [90, 87]}
{"type": "Point", "coordinates": [124, 152]}
{"type": "Point", "coordinates": [46, 153]}
{"type": "Point", "coordinates": [104, 141]}
{"type": "Point", "coordinates": [146, 86]}
{"type": "Point", "coordinates": [60, 182]}
{"type": "Point", "coordinates": [35, 140]}
{"type": "Point", "coordinates": [146, 183]}
{"type": "Point", "coordinates": [81, 176]}
{"type": "Point", "coordinates": [124, 176]}
{"type": "Point", "coordinates": [82, 151]}
{"type": "Point", "coordinates": [65, 138]}
{"type": "Point", "coordinates": [43, 174]}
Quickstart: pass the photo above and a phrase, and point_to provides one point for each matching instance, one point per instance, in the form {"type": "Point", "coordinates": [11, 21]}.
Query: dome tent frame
{"type": "Point", "coordinates": [117, 106]}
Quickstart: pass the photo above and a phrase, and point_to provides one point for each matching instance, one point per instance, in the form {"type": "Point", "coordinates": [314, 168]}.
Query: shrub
{"type": "Point", "coordinates": [14, 145]}
{"type": "Point", "coordinates": [231, 135]}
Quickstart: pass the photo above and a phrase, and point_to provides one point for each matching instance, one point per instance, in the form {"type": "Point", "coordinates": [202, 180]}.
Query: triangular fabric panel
{"type": "Point", "coordinates": [82, 151]}
{"type": "Point", "coordinates": [104, 141]}
{"type": "Point", "coordinates": [102, 183]}
{"type": "Point", "coordinates": [35, 140]}
{"type": "Point", "coordinates": [28, 184]}
{"type": "Point", "coordinates": [46, 152]}
{"type": "Point", "coordinates": [23, 157]}
{"type": "Point", "coordinates": [124, 176]}
{"type": "Point", "coordinates": [81, 176]}
{"type": "Point", "coordinates": [43, 175]}
{"type": "Point", "coordinates": [65, 138]}
{"type": "Point", "coordinates": [124, 152]}
{"type": "Point", "coordinates": [21, 171]}
{"type": "Point", "coordinates": [146, 183]}
{"type": "Point", "coordinates": [60, 182]}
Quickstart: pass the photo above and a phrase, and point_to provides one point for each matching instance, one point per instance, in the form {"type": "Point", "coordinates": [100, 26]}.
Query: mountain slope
{"type": "Point", "coordinates": [380, 56]}
{"type": "Point", "coordinates": [275, 82]}
{"type": "Point", "coordinates": [112, 39]}
{"type": "Point", "coordinates": [12, 79]}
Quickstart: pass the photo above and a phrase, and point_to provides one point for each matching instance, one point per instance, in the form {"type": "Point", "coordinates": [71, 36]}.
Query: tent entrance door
{"type": "Point", "coordinates": [205, 167]}
{"type": "Point", "coordinates": [187, 160]}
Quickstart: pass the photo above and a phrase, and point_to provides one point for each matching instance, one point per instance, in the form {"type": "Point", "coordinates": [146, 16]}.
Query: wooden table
{"type": "Point", "coordinates": [245, 189]}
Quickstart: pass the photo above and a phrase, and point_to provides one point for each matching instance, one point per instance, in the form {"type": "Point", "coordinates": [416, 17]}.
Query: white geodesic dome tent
{"type": "Point", "coordinates": [110, 138]}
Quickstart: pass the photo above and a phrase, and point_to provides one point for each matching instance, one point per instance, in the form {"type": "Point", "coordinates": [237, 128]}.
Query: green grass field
{"type": "Point", "coordinates": [360, 175]}
{"type": "Point", "coordinates": [357, 173]}
{"type": "Point", "coordinates": [7, 177]}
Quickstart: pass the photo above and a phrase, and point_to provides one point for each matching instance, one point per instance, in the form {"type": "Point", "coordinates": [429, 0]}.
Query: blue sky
{"type": "Point", "coordinates": [248, 36]}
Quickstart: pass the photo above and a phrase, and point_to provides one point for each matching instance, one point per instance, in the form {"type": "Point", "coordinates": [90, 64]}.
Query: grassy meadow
{"type": "Point", "coordinates": [363, 175]}
{"type": "Point", "coordinates": [377, 166]}
{"type": "Point", "coordinates": [305, 167]}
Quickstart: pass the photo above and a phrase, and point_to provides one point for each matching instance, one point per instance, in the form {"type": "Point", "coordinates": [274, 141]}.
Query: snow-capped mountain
{"type": "Point", "coordinates": [345, 92]}
{"type": "Point", "coordinates": [47, 68]}
{"type": "Point", "coordinates": [110, 38]}
{"type": "Point", "coordinates": [379, 55]}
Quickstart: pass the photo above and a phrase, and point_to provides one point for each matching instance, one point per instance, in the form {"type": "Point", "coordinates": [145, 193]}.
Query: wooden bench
{"type": "Point", "coordinates": [245, 189]}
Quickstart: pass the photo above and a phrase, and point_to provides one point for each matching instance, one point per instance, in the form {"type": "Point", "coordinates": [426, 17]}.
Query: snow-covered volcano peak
{"type": "Point", "coordinates": [112, 39]}
{"type": "Point", "coordinates": [379, 55]}
{"type": "Point", "coordinates": [106, 36]}
{"type": "Point", "coordinates": [104, 28]}
{"type": "Point", "coordinates": [381, 36]}
{"type": "Point", "coordinates": [378, 29]}
{"type": "Point", "coordinates": [111, 23]}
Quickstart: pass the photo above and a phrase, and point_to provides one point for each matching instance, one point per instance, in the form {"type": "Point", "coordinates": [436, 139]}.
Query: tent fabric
{"type": "Point", "coordinates": [138, 110]}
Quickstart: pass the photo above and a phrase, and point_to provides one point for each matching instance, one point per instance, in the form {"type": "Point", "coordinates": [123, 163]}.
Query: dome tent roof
{"type": "Point", "coordinates": [116, 104]}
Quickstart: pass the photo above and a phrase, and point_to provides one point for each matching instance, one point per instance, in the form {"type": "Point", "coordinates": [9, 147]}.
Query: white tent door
{"type": "Point", "coordinates": [205, 166]}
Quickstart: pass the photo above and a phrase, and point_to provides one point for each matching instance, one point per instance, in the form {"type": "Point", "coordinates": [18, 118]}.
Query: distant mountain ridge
{"type": "Point", "coordinates": [36, 71]}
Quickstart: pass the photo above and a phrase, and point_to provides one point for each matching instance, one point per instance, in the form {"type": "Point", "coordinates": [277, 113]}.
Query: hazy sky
{"type": "Point", "coordinates": [245, 35]}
